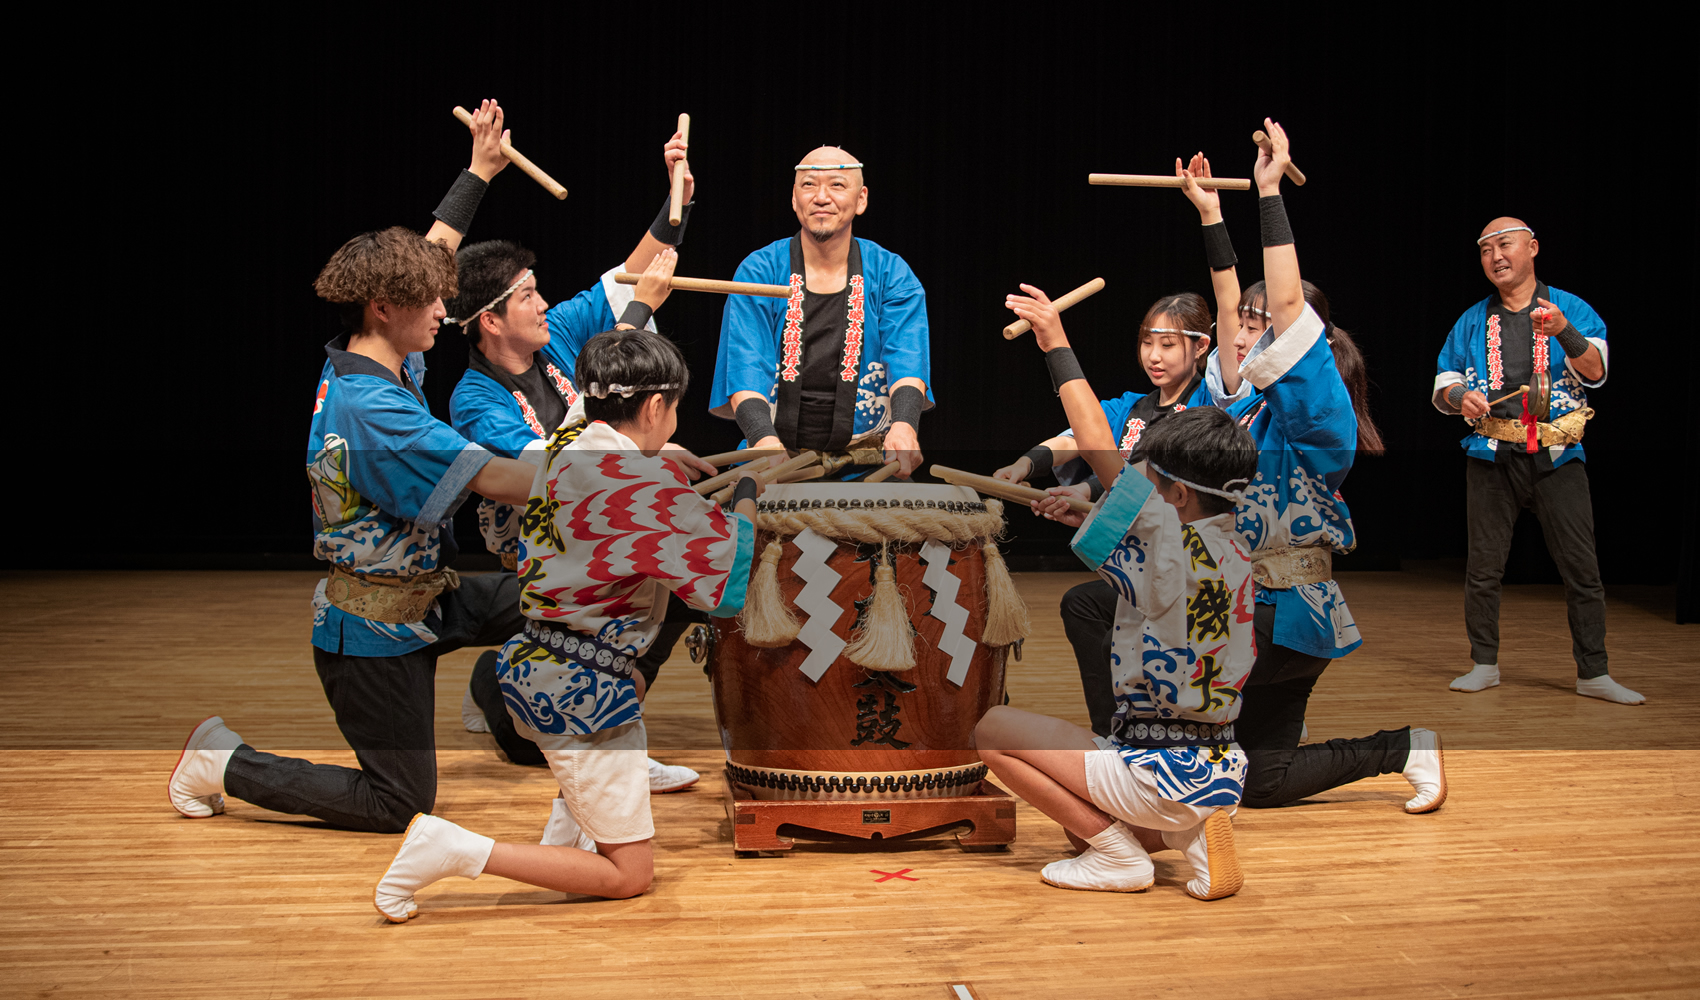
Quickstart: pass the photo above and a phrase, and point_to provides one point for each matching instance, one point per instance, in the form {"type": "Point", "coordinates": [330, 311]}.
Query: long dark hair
{"type": "Point", "coordinates": [1347, 359]}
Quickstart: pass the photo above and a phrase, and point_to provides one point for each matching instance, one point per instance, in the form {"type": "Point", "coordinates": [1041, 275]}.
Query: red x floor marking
{"type": "Point", "coordinates": [886, 876]}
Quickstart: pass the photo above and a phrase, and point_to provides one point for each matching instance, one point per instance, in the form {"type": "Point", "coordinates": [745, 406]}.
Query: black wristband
{"type": "Point", "coordinates": [637, 314]}
{"type": "Point", "coordinates": [755, 419]}
{"type": "Point", "coordinates": [1094, 488]}
{"type": "Point", "coordinates": [459, 205]}
{"type": "Point", "coordinates": [1575, 345]}
{"type": "Point", "coordinates": [665, 231]}
{"type": "Point", "coordinates": [906, 403]}
{"type": "Point", "coordinates": [1272, 213]}
{"type": "Point", "coordinates": [1455, 396]}
{"type": "Point", "coordinates": [1063, 367]}
{"type": "Point", "coordinates": [1218, 248]}
{"type": "Point", "coordinates": [745, 490]}
{"type": "Point", "coordinates": [1040, 457]}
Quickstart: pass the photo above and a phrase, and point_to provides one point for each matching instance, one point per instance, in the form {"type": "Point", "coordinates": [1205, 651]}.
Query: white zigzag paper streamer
{"type": "Point", "coordinates": [954, 643]}
{"type": "Point", "coordinates": [815, 600]}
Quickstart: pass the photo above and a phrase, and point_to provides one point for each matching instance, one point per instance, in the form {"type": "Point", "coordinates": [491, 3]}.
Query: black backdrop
{"type": "Point", "coordinates": [255, 152]}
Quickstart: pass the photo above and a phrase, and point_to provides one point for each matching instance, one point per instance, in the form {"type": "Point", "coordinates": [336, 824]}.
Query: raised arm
{"type": "Point", "coordinates": [1219, 252]}
{"type": "Point", "coordinates": [1280, 257]}
{"type": "Point", "coordinates": [661, 234]}
{"type": "Point", "coordinates": [1092, 434]}
{"type": "Point", "coordinates": [488, 160]}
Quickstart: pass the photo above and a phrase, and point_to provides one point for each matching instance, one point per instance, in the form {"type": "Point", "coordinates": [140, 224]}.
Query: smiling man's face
{"type": "Point", "coordinates": [1508, 259]}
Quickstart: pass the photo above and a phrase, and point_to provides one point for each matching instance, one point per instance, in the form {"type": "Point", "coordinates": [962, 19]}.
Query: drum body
{"type": "Point", "coordinates": [803, 721]}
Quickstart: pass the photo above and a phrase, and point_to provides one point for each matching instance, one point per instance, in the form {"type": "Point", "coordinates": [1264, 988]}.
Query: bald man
{"type": "Point", "coordinates": [1516, 461]}
{"type": "Point", "coordinates": [842, 366]}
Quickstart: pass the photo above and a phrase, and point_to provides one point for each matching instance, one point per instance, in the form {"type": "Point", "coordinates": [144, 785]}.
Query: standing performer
{"type": "Point", "coordinates": [517, 392]}
{"type": "Point", "coordinates": [613, 527]}
{"type": "Point", "coordinates": [1170, 773]}
{"type": "Point", "coordinates": [1309, 423]}
{"type": "Point", "coordinates": [1516, 461]}
{"type": "Point", "coordinates": [841, 367]}
{"type": "Point", "coordinates": [1174, 343]}
{"type": "Point", "coordinates": [386, 478]}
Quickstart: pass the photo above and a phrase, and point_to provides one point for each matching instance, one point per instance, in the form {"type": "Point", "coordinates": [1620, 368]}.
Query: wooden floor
{"type": "Point", "coordinates": [1565, 862]}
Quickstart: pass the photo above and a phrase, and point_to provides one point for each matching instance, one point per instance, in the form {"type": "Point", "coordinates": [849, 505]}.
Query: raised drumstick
{"type": "Point", "coordinates": [678, 203]}
{"type": "Point", "coordinates": [1162, 181]}
{"type": "Point", "coordinates": [679, 284]}
{"type": "Point", "coordinates": [532, 170]}
{"type": "Point", "coordinates": [1293, 173]}
{"type": "Point", "coordinates": [999, 488]}
{"type": "Point", "coordinates": [1085, 291]}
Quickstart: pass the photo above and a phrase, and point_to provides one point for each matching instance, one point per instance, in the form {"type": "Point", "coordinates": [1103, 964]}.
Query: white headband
{"type": "Point", "coordinates": [1502, 232]}
{"type": "Point", "coordinates": [1236, 496]}
{"type": "Point", "coordinates": [600, 391]}
{"type": "Point", "coordinates": [464, 323]}
{"type": "Point", "coordinates": [1258, 312]}
{"type": "Point", "coordinates": [827, 166]}
{"type": "Point", "coordinates": [1170, 329]}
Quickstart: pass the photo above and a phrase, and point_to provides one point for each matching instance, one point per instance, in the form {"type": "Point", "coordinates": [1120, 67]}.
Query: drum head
{"type": "Point", "coordinates": [1540, 396]}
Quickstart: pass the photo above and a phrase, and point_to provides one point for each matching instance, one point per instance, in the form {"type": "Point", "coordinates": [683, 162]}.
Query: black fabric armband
{"type": "Point", "coordinates": [665, 231]}
{"type": "Point", "coordinates": [1272, 213]}
{"type": "Point", "coordinates": [1218, 248]}
{"type": "Point", "coordinates": [1575, 345]}
{"type": "Point", "coordinates": [906, 403]}
{"type": "Point", "coordinates": [1455, 396]}
{"type": "Point", "coordinates": [755, 419]}
{"type": "Point", "coordinates": [1095, 488]}
{"type": "Point", "coordinates": [745, 490]}
{"type": "Point", "coordinates": [1040, 457]}
{"type": "Point", "coordinates": [1063, 366]}
{"type": "Point", "coordinates": [459, 205]}
{"type": "Point", "coordinates": [637, 314]}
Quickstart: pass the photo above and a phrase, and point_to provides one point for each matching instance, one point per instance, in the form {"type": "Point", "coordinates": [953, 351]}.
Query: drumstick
{"type": "Point", "coordinates": [770, 475]}
{"type": "Point", "coordinates": [813, 472]}
{"type": "Point", "coordinates": [1292, 171]}
{"type": "Point", "coordinates": [1510, 395]}
{"type": "Point", "coordinates": [1163, 181]}
{"type": "Point", "coordinates": [747, 455]}
{"type": "Point", "coordinates": [1000, 488]}
{"type": "Point", "coordinates": [882, 473]}
{"type": "Point", "coordinates": [1085, 291]}
{"type": "Point", "coordinates": [678, 203]}
{"type": "Point", "coordinates": [536, 173]}
{"type": "Point", "coordinates": [679, 284]}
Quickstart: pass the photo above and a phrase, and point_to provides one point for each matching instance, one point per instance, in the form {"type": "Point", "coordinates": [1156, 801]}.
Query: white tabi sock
{"type": "Point", "coordinates": [1209, 848]}
{"type": "Point", "coordinates": [563, 830]}
{"type": "Point", "coordinates": [1606, 689]}
{"type": "Point", "coordinates": [196, 787]}
{"type": "Point", "coordinates": [471, 716]}
{"type": "Point", "coordinates": [664, 778]}
{"type": "Point", "coordinates": [1481, 677]}
{"type": "Point", "coordinates": [1425, 769]}
{"type": "Point", "coordinates": [433, 849]}
{"type": "Point", "coordinates": [1114, 863]}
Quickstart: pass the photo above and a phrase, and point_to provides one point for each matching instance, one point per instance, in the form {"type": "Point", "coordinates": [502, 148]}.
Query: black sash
{"type": "Point", "coordinates": [846, 337]}
{"type": "Point", "coordinates": [557, 380]}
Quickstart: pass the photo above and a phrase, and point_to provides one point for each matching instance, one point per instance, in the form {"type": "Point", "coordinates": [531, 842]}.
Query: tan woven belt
{"type": "Point", "coordinates": [868, 452]}
{"type": "Point", "coordinates": [1281, 568]}
{"type": "Point", "coordinates": [387, 598]}
{"type": "Point", "coordinates": [1565, 430]}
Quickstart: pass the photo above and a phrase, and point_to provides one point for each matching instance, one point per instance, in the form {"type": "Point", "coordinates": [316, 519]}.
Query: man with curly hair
{"type": "Point", "coordinates": [386, 477]}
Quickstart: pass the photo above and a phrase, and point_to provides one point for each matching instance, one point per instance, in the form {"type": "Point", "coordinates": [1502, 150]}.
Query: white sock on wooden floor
{"type": "Point", "coordinates": [1481, 677]}
{"type": "Point", "coordinates": [433, 849]}
{"type": "Point", "coordinates": [1606, 689]}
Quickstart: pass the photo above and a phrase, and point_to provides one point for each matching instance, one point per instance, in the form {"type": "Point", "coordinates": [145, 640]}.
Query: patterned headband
{"type": "Point", "coordinates": [498, 300]}
{"type": "Point", "coordinates": [1170, 329]}
{"type": "Point", "coordinates": [600, 391]}
{"type": "Point", "coordinates": [1502, 232]}
{"type": "Point", "coordinates": [1236, 496]}
{"type": "Point", "coordinates": [827, 166]}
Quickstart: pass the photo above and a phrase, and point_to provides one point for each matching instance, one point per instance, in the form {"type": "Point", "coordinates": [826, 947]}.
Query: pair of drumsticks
{"type": "Point", "coordinates": [794, 470]}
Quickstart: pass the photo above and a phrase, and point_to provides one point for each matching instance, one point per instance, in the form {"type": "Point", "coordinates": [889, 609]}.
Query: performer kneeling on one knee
{"type": "Point", "coordinates": [1309, 424]}
{"type": "Point", "coordinates": [1173, 344]}
{"type": "Point", "coordinates": [1170, 773]}
{"type": "Point", "coordinates": [612, 526]}
{"type": "Point", "coordinates": [518, 392]}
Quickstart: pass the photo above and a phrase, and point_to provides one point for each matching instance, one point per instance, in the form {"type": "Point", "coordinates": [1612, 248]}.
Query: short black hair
{"type": "Point", "coordinates": [1205, 446]}
{"type": "Point", "coordinates": [485, 270]}
{"type": "Point", "coordinates": [628, 358]}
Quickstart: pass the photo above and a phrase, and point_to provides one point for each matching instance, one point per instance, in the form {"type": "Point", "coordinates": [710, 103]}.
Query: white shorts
{"type": "Point", "coordinates": [604, 778]}
{"type": "Point", "coordinates": [1130, 794]}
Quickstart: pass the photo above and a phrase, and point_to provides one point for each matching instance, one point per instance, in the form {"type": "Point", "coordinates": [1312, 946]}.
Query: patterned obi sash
{"type": "Point", "coordinates": [571, 645]}
{"type": "Point", "coordinates": [1173, 733]}
{"type": "Point", "coordinates": [1289, 566]}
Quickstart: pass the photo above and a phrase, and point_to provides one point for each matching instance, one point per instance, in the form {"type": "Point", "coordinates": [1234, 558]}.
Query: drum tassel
{"type": "Point", "coordinates": [1006, 613]}
{"type": "Point", "coordinates": [768, 619]}
{"type": "Point", "coordinates": [886, 640]}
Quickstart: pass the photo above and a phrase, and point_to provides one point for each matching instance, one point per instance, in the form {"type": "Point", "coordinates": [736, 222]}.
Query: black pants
{"type": "Point", "coordinates": [487, 690]}
{"type": "Point", "coordinates": [1497, 491]}
{"type": "Point", "coordinates": [1089, 618]}
{"type": "Point", "coordinates": [1272, 718]}
{"type": "Point", "coordinates": [385, 707]}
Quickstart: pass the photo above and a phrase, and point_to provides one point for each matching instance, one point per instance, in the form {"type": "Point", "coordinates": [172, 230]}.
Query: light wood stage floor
{"type": "Point", "coordinates": [1564, 863]}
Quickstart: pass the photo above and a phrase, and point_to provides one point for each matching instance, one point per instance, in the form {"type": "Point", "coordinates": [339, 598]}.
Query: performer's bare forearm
{"type": "Point", "coordinates": [1226, 284]}
{"type": "Point", "coordinates": [1092, 434]}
